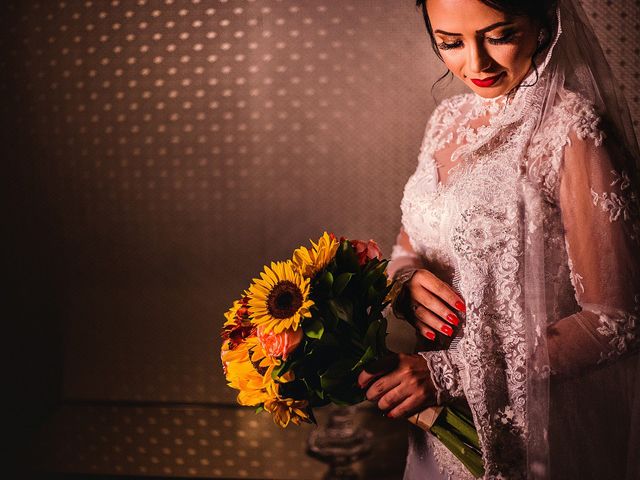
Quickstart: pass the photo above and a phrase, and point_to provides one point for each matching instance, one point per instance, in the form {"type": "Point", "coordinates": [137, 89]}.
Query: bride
{"type": "Point", "coordinates": [519, 251]}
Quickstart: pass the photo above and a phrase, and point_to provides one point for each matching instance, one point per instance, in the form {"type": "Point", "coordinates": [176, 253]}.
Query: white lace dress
{"type": "Point", "coordinates": [464, 221]}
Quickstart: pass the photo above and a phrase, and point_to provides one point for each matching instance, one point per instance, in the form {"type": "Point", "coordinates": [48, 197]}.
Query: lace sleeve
{"type": "Point", "coordinates": [445, 375]}
{"type": "Point", "coordinates": [599, 207]}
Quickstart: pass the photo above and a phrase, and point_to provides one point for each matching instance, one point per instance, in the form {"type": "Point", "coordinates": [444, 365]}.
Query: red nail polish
{"type": "Point", "coordinates": [453, 319]}
{"type": "Point", "coordinates": [460, 306]}
{"type": "Point", "coordinates": [430, 335]}
{"type": "Point", "coordinates": [447, 330]}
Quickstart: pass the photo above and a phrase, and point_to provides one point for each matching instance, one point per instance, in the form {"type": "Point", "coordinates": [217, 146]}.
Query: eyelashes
{"type": "Point", "coordinates": [449, 46]}
{"type": "Point", "coordinates": [505, 39]}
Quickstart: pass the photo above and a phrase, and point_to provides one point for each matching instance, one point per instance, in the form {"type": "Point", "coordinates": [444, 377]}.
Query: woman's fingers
{"type": "Point", "coordinates": [405, 390]}
{"type": "Point", "coordinates": [392, 398]}
{"type": "Point", "coordinates": [428, 323]}
{"type": "Point", "coordinates": [409, 406]}
{"type": "Point", "coordinates": [435, 305]}
{"type": "Point", "coordinates": [381, 388]}
{"type": "Point", "coordinates": [435, 295]}
{"type": "Point", "coordinates": [440, 289]}
{"type": "Point", "coordinates": [377, 369]}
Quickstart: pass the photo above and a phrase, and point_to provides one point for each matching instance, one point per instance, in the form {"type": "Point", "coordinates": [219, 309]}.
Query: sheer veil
{"type": "Point", "coordinates": [583, 393]}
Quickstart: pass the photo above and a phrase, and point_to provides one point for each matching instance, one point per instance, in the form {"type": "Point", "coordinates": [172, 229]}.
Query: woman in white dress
{"type": "Point", "coordinates": [520, 242]}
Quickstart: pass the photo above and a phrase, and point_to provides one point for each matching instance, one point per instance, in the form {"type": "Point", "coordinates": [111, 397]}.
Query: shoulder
{"type": "Point", "coordinates": [571, 128]}
{"type": "Point", "coordinates": [579, 119]}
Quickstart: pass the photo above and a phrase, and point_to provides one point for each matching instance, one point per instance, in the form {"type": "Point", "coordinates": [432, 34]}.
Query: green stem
{"type": "Point", "coordinates": [451, 417]}
{"type": "Point", "coordinates": [469, 458]}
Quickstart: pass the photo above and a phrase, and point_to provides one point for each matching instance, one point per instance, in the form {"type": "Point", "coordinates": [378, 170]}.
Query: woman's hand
{"type": "Point", "coordinates": [429, 303]}
{"type": "Point", "coordinates": [401, 385]}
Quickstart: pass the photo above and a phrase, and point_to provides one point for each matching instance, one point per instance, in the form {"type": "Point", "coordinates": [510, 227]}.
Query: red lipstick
{"type": "Point", "coordinates": [487, 82]}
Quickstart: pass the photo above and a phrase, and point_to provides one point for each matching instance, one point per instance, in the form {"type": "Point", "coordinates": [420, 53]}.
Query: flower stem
{"type": "Point", "coordinates": [469, 458]}
{"type": "Point", "coordinates": [451, 417]}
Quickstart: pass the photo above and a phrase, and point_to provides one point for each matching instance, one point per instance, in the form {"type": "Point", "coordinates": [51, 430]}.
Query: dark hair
{"type": "Point", "coordinates": [538, 10]}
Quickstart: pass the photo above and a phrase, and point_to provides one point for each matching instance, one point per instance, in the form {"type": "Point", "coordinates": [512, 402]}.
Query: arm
{"type": "Point", "coordinates": [600, 216]}
{"type": "Point", "coordinates": [403, 257]}
{"type": "Point", "coordinates": [406, 384]}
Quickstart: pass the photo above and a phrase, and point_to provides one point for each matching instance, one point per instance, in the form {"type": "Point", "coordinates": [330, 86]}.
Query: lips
{"type": "Point", "coordinates": [487, 82]}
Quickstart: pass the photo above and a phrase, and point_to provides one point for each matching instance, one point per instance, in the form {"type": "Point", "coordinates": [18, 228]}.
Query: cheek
{"type": "Point", "coordinates": [515, 59]}
{"type": "Point", "coordinates": [454, 62]}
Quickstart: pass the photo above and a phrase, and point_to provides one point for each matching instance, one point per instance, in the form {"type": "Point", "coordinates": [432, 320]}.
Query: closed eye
{"type": "Point", "coordinates": [449, 46]}
{"type": "Point", "coordinates": [506, 38]}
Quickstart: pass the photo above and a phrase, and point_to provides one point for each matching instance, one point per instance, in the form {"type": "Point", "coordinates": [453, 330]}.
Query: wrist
{"type": "Point", "coordinates": [401, 305]}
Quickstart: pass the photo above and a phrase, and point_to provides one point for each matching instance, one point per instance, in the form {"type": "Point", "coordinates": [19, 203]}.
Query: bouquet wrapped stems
{"type": "Point", "coordinates": [455, 429]}
{"type": "Point", "coordinates": [303, 331]}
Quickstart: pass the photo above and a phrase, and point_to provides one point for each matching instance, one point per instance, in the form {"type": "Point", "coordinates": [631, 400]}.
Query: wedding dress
{"type": "Point", "coordinates": [527, 205]}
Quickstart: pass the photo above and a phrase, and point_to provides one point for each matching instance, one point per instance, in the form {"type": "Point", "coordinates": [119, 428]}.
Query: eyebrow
{"type": "Point", "coordinates": [479, 32]}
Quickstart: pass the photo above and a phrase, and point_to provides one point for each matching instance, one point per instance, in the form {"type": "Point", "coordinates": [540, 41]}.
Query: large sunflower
{"type": "Point", "coordinates": [279, 300]}
{"type": "Point", "coordinates": [309, 261]}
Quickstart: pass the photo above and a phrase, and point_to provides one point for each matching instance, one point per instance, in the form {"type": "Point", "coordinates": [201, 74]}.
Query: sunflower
{"type": "Point", "coordinates": [279, 300]}
{"type": "Point", "coordinates": [249, 370]}
{"type": "Point", "coordinates": [309, 261]}
{"type": "Point", "coordinates": [285, 410]}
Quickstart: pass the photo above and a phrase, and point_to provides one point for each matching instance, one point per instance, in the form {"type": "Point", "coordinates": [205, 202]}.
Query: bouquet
{"type": "Point", "coordinates": [303, 331]}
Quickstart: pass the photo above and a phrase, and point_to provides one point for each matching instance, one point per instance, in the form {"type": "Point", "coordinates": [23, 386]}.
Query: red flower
{"type": "Point", "coordinates": [241, 329]}
{"type": "Point", "coordinates": [366, 250]}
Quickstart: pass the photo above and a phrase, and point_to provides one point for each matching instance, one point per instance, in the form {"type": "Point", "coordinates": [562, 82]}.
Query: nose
{"type": "Point", "coordinates": [478, 60]}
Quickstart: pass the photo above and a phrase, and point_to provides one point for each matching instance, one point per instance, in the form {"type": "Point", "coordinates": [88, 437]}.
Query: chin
{"type": "Point", "coordinates": [488, 92]}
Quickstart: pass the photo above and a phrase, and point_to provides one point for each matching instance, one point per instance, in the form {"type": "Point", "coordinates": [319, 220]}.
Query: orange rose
{"type": "Point", "coordinates": [280, 344]}
{"type": "Point", "coordinates": [366, 250]}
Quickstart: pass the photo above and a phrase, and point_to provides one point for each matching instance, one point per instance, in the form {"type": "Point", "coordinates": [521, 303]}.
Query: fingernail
{"type": "Point", "coordinates": [453, 319]}
{"type": "Point", "coordinates": [390, 415]}
{"type": "Point", "coordinates": [430, 335]}
{"type": "Point", "coordinates": [460, 306]}
{"type": "Point", "coordinates": [447, 330]}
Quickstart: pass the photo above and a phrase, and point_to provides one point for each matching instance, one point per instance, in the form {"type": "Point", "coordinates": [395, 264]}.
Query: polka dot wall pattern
{"type": "Point", "coordinates": [169, 442]}
{"type": "Point", "coordinates": [180, 144]}
{"type": "Point", "coordinates": [617, 26]}
{"type": "Point", "coordinates": [218, 442]}
{"type": "Point", "coordinates": [175, 145]}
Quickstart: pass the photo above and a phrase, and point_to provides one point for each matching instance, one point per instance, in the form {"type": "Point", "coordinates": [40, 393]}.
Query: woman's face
{"type": "Point", "coordinates": [490, 52]}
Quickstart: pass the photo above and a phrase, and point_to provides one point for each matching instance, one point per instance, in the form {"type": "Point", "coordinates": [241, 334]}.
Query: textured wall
{"type": "Point", "coordinates": [157, 152]}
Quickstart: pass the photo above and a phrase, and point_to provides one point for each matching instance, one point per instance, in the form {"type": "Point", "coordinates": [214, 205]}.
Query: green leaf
{"type": "Point", "coordinates": [281, 369]}
{"type": "Point", "coordinates": [329, 382]}
{"type": "Point", "coordinates": [326, 280]}
{"type": "Point", "coordinates": [259, 409]}
{"type": "Point", "coordinates": [328, 340]}
{"type": "Point", "coordinates": [369, 355]}
{"type": "Point", "coordinates": [341, 283]}
{"type": "Point", "coordinates": [313, 328]}
{"type": "Point", "coordinates": [342, 309]}
{"type": "Point", "coordinates": [336, 375]}
{"type": "Point", "coordinates": [376, 331]}
{"type": "Point", "coordinates": [381, 337]}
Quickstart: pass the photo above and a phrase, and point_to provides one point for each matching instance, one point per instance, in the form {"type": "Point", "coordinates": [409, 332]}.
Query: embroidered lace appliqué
{"type": "Point", "coordinates": [471, 225]}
